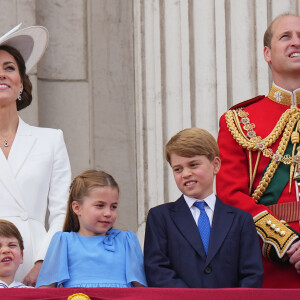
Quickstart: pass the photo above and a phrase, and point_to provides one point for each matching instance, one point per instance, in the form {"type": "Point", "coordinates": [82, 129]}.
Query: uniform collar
{"type": "Point", "coordinates": [284, 97]}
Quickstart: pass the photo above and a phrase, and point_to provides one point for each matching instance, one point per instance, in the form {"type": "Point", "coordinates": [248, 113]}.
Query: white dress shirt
{"type": "Point", "coordinates": [209, 208]}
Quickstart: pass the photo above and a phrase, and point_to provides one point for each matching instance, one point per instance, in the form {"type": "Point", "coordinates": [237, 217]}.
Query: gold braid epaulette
{"type": "Point", "coordinates": [286, 123]}
{"type": "Point", "coordinates": [235, 129]}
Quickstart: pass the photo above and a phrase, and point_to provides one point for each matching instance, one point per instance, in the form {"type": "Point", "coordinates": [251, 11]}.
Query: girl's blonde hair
{"type": "Point", "coordinates": [80, 188]}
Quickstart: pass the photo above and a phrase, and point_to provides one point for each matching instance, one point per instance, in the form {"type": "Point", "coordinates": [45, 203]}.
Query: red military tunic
{"type": "Point", "coordinates": [261, 115]}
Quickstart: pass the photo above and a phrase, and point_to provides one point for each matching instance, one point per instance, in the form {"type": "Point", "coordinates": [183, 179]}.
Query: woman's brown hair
{"type": "Point", "coordinates": [26, 96]}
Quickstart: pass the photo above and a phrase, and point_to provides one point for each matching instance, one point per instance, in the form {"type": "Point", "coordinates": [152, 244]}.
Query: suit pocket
{"type": "Point", "coordinates": [230, 247]}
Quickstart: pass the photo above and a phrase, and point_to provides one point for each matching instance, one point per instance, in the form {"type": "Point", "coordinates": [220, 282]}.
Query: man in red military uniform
{"type": "Point", "coordinates": [260, 154]}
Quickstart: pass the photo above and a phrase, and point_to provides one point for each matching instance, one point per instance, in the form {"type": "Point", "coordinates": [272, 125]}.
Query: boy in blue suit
{"type": "Point", "coordinates": [188, 246]}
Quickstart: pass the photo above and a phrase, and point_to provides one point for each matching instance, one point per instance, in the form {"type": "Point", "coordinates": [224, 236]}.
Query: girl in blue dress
{"type": "Point", "coordinates": [89, 252]}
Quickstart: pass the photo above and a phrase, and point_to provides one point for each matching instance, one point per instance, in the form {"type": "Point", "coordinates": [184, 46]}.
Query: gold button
{"type": "Point", "coordinates": [268, 222]}
{"type": "Point", "coordinates": [273, 226]}
{"type": "Point", "coordinates": [277, 229]}
{"type": "Point", "coordinates": [282, 233]}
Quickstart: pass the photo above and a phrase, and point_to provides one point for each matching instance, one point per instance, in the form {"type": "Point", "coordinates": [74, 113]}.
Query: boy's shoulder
{"type": "Point", "coordinates": [236, 210]}
{"type": "Point", "coordinates": [163, 206]}
{"type": "Point", "coordinates": [167, 206]}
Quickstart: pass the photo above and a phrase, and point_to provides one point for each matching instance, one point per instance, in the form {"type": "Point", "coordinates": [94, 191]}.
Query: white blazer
{"type": "Point", "coordinates": [35, 177]}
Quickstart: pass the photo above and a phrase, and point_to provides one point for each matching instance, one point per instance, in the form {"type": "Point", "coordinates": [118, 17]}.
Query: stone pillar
{"type": "Point", "coordinates": [63, 86]}
{"type": "Point", "coordinates": [111, 74]}
{"type": "Point", "coordinates": [86, 87]}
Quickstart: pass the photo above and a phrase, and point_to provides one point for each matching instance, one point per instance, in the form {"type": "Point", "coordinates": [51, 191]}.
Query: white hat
{"type": "Point", "coordinates": [31, 42]}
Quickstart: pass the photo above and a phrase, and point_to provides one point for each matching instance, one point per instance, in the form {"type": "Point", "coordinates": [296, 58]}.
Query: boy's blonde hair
{"type": "Point", "coordinates": [8, 229]}
{"type": "Point", "coordinates": [80, 188]}
{"type": "Point", "coordinates": [190, 142]}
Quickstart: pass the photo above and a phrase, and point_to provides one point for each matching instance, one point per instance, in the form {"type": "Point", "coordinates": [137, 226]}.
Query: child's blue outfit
{"type": "Point", "coordinates": [112, 260]}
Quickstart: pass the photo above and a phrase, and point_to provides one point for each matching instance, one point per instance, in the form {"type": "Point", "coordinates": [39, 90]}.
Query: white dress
{"type": "Point", "coordinates": [35, 177]}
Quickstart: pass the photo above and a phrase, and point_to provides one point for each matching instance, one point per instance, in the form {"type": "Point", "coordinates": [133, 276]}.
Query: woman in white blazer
{"type": "Point", "coordinates": [34, 165]}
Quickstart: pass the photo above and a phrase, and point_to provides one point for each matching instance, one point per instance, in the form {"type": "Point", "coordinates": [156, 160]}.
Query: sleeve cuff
{"type": "Point", "coordinates": [274, 233]}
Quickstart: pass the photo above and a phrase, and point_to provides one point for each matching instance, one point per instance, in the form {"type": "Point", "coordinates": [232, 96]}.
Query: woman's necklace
{"type": "Point", "coordinates": [5, 140]}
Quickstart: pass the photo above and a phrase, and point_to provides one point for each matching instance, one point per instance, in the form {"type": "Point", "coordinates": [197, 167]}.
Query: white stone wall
{"type": "Point", "coordinates": [120, 77]}
{"type": "Point", "coordinates": [86, 88]}
{"type": "Point", "coordinates": [193, 60]}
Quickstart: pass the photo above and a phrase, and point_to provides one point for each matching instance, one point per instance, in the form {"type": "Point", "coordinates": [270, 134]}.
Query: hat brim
{"type": "Point", "coordinates": [31, 42]}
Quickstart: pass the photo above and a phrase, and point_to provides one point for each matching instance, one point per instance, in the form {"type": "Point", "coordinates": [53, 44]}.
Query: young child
{"type": "Point", "coordinates": [89, 252]}
{"type": "Point", "coordinates": [11, 255]}
{"type": "Point", "coordinates": [223, 250]}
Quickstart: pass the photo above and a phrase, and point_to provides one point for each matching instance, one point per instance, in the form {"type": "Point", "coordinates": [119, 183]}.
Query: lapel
{"type": "Point", "coordinates": [222, 221]}
{"type": "Point", "coordinates": [18, 153]}
{"type": "Point", "coordinates": [185, 223]}
{"type": "Point", "coordinates": [21, 147]}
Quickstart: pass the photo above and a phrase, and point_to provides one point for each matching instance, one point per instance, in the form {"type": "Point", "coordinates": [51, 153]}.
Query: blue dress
{"type": "Point", "coordinates": [112, 260]}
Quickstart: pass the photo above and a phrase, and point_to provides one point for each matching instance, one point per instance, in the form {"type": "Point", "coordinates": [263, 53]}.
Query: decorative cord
{"type": "Point", "coordinates": [252, 142]}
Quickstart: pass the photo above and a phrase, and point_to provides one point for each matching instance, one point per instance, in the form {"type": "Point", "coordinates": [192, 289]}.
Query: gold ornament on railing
{"type": "Point", "coordinates": [79, 296]}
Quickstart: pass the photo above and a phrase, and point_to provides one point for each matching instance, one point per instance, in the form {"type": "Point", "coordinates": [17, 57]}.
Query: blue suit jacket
{"type": "Point", "coordinates": [174, 255]}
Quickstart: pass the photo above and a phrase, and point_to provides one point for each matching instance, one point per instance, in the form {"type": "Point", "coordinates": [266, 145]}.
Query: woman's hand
{"type": "Point", "coordinates": [31, 278]}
